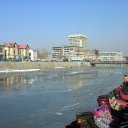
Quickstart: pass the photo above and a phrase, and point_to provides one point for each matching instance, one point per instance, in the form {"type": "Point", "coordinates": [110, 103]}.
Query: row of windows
{"type": "Point", "coordinates": [109, 54]}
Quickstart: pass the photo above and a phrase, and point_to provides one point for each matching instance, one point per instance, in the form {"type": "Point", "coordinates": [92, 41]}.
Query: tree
{"type": "Point", "coordinates": [42, 54]}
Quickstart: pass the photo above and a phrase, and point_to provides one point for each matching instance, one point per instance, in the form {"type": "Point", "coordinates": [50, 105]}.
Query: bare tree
{"type": "Point", "coordinates": [42, 54]}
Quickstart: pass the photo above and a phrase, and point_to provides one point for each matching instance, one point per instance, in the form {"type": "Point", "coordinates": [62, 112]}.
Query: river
{"type": "Point", "coordinates": [52, 99]}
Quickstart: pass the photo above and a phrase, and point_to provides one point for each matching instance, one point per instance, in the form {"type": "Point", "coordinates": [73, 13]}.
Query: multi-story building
{"type": "Point", "coordinates": [74, 53]}
{"type": "Point", "coordinates": [111, 56]}
{"type": "Point", "coordinates": [79, 40]}
{"type": "Point", "coordinates": [69, 49]}
{"type": "Point", "coordinates": [77, 43]}
{"type": "Point", "coordinates": [11, 50]}
{"type": "Point", "coordinates": [76, 50]}
{"type": "Point", "coordinates": [88, 55]}
{"type": "Point", "coordinates": [23, 51]}
{"type": "Point", "coordinates": [57, 53]}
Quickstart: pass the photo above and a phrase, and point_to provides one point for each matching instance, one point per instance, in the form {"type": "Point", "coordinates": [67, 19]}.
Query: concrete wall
{"type": "Point", "coordinates": [40, 65]}
{"type": "Point", "coordinates": [110, 65]}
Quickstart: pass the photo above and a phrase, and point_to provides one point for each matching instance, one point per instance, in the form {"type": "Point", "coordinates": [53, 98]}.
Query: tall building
{"type": "Point", "coordinates": [79, 40]}
{"type": "Point", "coordinates": [57, 53]}
{"type": "Point", "coordinates": [77, 43]}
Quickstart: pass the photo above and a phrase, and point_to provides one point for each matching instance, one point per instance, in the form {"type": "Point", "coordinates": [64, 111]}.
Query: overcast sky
{"type": "Point", "coordinates": [46, 23]}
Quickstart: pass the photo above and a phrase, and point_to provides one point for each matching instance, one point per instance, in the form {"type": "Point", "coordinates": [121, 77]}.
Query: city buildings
{"type": "Point", "coordinates": [75, 51]}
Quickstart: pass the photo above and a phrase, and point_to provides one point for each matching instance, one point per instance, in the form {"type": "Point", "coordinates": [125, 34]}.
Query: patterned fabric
{"type": "Point", "coordinates": [114, 102]}
{"type": "Point", "coordinates": [118, 100]}
{"type": "Point", "coordinates": [102, 117]}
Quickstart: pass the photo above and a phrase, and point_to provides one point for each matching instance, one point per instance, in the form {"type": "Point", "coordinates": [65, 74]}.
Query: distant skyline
{"type": "Point", "coordinates": [46, 23]}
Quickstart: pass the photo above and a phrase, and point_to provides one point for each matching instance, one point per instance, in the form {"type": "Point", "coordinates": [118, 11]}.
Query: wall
{"type": "Point", "coordinates": [40, 65]}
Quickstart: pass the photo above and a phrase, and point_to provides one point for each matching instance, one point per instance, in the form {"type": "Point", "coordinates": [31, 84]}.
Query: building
{"type": "Point", "coordinates": [75, 51]}
{"type": "Point", "coordinates": [61, 52]}
{"type": "Point", "coordinates": [57, 53]}
{"type": "Point", "coordinates": [111, 56]}
{"type": "Point", "coordinates": [33, 55]}
{"type": "Point", "coordinates": [79, 40]}
{"type": "Point", "coordinates": [17, 52]}
{"type": "Point", "coordinates": [23, 51]}
{"type": "Point", "coordinates": [88, 55]}
{"type": "Point", "coordinates": [11, 50]}
{"type": "Point", "coordinates": [69, 49]}
{"type": "Point", "coordinates": [77, 43]}
{"type": "Point", "coordinates": [2, 54]}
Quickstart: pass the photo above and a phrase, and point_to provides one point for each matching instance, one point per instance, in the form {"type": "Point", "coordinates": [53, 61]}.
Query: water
{"type": "Point", "coordinates": [52, 99]}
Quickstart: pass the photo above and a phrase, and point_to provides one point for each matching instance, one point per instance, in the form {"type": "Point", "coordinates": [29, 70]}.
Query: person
{"type": "Point", "coordinates": [125, 78]}
{"type": "Point", "coordinates": [125, 85]}
{"type": "Point", "coordinates": [125, 81]}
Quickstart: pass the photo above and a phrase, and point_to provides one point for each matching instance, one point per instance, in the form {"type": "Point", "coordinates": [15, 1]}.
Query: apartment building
{"type": "Point", "coordinates": [11, 50]}
{"type": "Point", "coordinates": [23, 51]}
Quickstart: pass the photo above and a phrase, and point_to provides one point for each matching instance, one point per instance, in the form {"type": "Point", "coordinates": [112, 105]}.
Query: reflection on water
{"type": "Point", "coordinates": [51, 99]}
{"type": "Point", "coordinates": [14, 82]}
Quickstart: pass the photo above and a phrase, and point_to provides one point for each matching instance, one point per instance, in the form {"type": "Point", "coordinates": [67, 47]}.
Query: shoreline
{"type": "Point", "coordinates": [40, 65]}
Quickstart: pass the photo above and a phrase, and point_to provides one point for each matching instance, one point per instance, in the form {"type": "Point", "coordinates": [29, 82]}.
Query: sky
{"type": "Point", "coordinates": [43, 24]}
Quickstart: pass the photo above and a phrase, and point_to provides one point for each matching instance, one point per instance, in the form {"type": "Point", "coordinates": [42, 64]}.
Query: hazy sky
{"type": "Point", "coordinates": [46, 23]}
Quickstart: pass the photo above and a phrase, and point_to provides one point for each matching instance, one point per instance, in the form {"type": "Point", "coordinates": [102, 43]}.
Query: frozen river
{"type": "Point", "coordinates": [52, 99]}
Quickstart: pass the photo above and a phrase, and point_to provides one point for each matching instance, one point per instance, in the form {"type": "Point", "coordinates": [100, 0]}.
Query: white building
{"type": "Point", "coordinates": [111, 56]}
{"type": "Point", "coordinates": [79, 40]}
{"type": "Point", "coordinates": [33, 55]}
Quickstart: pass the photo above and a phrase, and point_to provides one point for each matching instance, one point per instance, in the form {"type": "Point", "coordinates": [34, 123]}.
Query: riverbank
{"type": "Point", "coordinates": [40, 65]}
